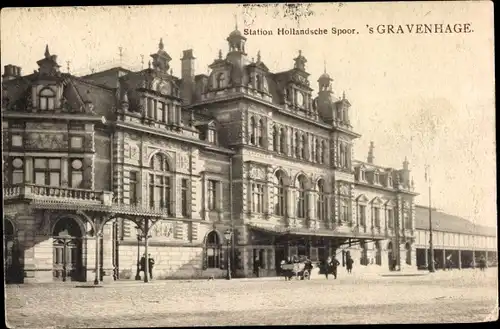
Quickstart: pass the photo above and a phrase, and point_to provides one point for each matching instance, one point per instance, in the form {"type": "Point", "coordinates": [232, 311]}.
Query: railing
{"type": "Point", "coordinates": [56, 193]}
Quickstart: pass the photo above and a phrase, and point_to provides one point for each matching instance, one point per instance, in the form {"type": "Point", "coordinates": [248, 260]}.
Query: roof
{"type": "Point", "coordinates": [449, 223]}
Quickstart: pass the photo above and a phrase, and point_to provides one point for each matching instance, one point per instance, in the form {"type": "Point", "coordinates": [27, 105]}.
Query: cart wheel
{"type": "Point", "coordinates": [307, 275]}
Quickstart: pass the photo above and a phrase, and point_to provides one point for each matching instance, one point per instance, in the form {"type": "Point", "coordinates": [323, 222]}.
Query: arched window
{"type": "Point", "coordinates": [303, 145]}
{"type": "Point", "coordinates": [297, 145]}
{"type": "Point", "coordinates": [160, 184]}
{"type": "Point", "coordinates": [258, 82]}
{"type": "Point", "coordinates": [47, 99]}
{"type": "Point", "coordinates": [262, 132]}
{"type": "Point", "coordinates": [213, 250]}
{"type": "Point", "coordinates": [280, 195]}
{"type": "Point", "coordinates": [321, 207]}
{"type": "Point", "coordinates": [276, 139]}
{"type": "Point", "coordinates": [301, 197]}
{"type": "Point", "coordinates": [282, 141]}
{"type": "Point", "coordinates": [253, 131]}
{"type": "Point", "coordinates": [220, 80]}
{"type": "Point", "coordinates": [342, 154]}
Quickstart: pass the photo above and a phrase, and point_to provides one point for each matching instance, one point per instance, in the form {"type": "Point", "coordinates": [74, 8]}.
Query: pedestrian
{"type": "Point", "coordinates": [151, 263]}
{"type": "Point", "coordinates": [326, 266]}
{"type": "Point", "coordinates": [142, 264]}
{"type": "Point", "coordinates": [349, 263]}
{"type": "Point", "coordinates": [334, 264]}
{"type": "Point", "coordinates": [256, 266]}
{"type": "Point", "coordinates": [482, 263]}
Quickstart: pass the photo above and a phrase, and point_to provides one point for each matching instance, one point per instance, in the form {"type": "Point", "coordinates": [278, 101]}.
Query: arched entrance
{"type": "Point", "coordinates": [391, 257]}
{"type": "Point", "coordinates": [67, 250]}
{"type": "Point", "coordinates": [13, 273]}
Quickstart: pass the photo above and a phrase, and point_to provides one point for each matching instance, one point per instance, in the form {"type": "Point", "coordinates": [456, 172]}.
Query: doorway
{"type": "Point", "coordinates": [12, 263]}
{"type": "Point", "coordinates": [67, 251]}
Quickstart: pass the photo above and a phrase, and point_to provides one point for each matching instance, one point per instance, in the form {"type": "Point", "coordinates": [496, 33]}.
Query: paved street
{"type": "Point", "coordinates": [456, 296]}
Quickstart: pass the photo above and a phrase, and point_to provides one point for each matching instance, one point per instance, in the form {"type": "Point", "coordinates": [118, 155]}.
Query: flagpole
{"type": "Point", "coordinates": [431, 247]}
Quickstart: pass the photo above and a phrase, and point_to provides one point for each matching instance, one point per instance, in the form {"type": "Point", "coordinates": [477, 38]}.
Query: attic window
{"type": "Point", "coordinates": [376, 178]}
{"type": "Point", "coordinates": [47, 99]}
{"type": "Point", "coordinates": [362, 175]}
{"type": "Point", "coordinates": [211, 136]}
{"type": "Point", "coordinates": [389, 181]}
{"type": "Point", "coordinates": [220, 80]}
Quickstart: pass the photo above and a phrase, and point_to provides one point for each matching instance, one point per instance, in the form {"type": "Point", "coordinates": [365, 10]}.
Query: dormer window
{"type": "Point", "coordinates": [47, 99]}
{"type": "Point", "coordinates": [220, 80]}
{"type": "Point", "coordinates": [211, 136]}
{"type": "Point", "coordinates": [376, 178]}
{"type": "Point", "coordinates": [362, 175]}
{"type": "Point", "coordinates": [258, 82]}
{"type": "Point", "coordinates": [389, 181]}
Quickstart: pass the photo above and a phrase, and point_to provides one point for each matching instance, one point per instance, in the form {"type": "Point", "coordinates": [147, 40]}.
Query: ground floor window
{"type": "Point", "coordinates": [213, 251]}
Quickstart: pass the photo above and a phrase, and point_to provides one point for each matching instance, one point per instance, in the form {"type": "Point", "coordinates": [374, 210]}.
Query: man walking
{"type": "Point", "coordinates": [334, 264]}
{"type": "Point", "coordinates": [142, 264]}
{"type": "Point", "coordinates": [151, 263]}
{"type": "Point", "coordinates": [349, 263]}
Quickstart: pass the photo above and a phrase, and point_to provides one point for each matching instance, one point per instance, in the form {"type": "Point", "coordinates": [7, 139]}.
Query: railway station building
{"type": "Point", "coordinates": [98, 168]}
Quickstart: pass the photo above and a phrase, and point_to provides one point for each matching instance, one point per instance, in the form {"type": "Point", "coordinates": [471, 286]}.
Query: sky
{"type": "Point", "coordinates": [429, 97]}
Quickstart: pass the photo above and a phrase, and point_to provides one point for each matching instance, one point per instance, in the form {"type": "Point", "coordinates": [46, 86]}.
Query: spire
{"type": "Point", "coordinates": [343, 94]}
{"type": "Point", "coordinates": [160, 45]}
{"type": "Point", "coordinates": [258, 56]}
{"type": "Point", "coordinates": [371, 156]}
{"type": "Point", "coordinates": [324, 66]}
{"type": "Point", "coordinates": [220, 53]}
{"type": "Point", "coordinates": [47, 53]}
{"type": "Point", "coordinates": [405, 164]}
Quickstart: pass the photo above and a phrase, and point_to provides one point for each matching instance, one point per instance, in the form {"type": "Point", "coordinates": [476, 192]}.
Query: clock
{"type": "Point", "coordinates": [300, 99]}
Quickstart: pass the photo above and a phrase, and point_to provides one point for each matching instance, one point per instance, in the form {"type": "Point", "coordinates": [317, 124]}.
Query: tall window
{"type": "Point", "coordinates": [344, 211]}
{"type": "Point", "coordinates": [262, 132]}
{"type": "Point", "coordinates": [211, 136]}
{"type": "Point", "coordinates": [279, 207]}
{"type": "Point", "coordinates": [160, 111]}
{"type": "Point", "coordinates": [375, 178]}
{"type": "Point", "coordinates": [282, 141]}
{"type": "Point", "coordinates": [342, 154]}
{"type": "Point", "coordinates": [321, 207]}
{"type": "Point", "coordinates": [362, 215]}
{"type": "Point", "coordinates": [220, 80]}
{"type": "Point", "coordinates": [347, 156]}
{"type": "Point", "coordinates": [376, 216]}
{"type": "Point", "coordinates": [160, 183]}
{"type": "Point", "coordinates": [318, 152]}
{"type": "Point", "coordinates": [303, 145]}
{"type": "Point", "coordinates": [212, 195]}
{"type": "Point", "coordinates": [276, 139]}
{"type": "Point", "coordinates": [184, 197]}
{"type": "Point", "coordinates": [47, 171]}
{"type": "Point", "coordinates": [76, 173]}
{"type": "Point", "coordinates": [213, 250]}
{"type": "Point", "coordinates": [47, 99]}
{"type": "Point", "coordinates": [17, 171]}
{"type": "Point", "coordinates": [301, 198]}
{"type": "Point", "coordinates": [258, 82]}
{"type": "Point", "coordinates": [323, 152]}
{"type": "Point", "coordinates": [253, 131]}
{"type": "Point", "coordinates": [389, 181]}
{"type": "Point", "coordinates": [390, 218]}
{"type": "Point", "coordinates": [133, 188]}
{"type": "Point", "coordinates": [297, 145]}
{"type": "Point", "coordinates": [257, 198]}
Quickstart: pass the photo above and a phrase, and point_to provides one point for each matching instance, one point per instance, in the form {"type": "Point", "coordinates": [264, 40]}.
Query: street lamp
{"type": "Point", "coordinates": [139, 239]}
{"type": "Point", "coordinates": [227, 236]}
{"type": "Point", "coordinates": [431, 247]}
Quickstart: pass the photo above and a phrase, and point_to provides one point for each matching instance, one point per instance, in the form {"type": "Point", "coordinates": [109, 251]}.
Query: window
{"type": "Point", "coordinates": [211, 136]}
{"type": "Point", "coordinates": [318, 152]}
{"type": "Point", "coordinates": [303, 144]}
{"type": "Point", "coordinates": [160, 183]}
{"type": "Point", "coordinates": [344, 211]}
{"type": "Point", "coordinates": [375, 178]}
{"type": "Point", "coordinates": [133, 183]}
{"type": "Point", "coordinates": [342, 154]}
{"type": "Point", "coordinates": [297, 145]}
{"type": "Point", "coordinates": [301, 198]}
{"type": "Point", "coordinates": [160, 111]}
{"type": "Point", "coordinates": [17, 171]}
{"type": "Point", "coordinates": [347, 156]}
{"type": "Point", "coordinates": [276, 139]}
{"type": "Point", "coordinates": [47, 99]}
{"type": "Point", "coordinates": [258, 82]}
{"type": "Point", "coordinates": [362, 215]}
{"type": "Point", "coordinates": [323, 152]}
{"type": "Point", "coordinates": [262, 132]}
{"type": "Point", "coordinates": [253, 131]}
{"type": "Point", "coordinates": [279, 207]}
{"type": "Point", "coordinates": [168, 114]}
{"type": "Point", "coordinates": [150, 108]}
{"type": "Point", "coordinates": [282, 141]}
{"type": "Point", "coordinates": [390, 218]}
{"type": "Point", "coordinates": [220, 80]}
{"type": "Point", "coordinates": [212, 195]}
{"type": "Point", "coordinates": [389, 181]}
{"type": "Point", "coordinates": [76, 173]}
{"type": "Point", "coordinates": [257, 198]}
{"type": "Point", "coordinates": [76, 142]}
{"type": "Point", "coordinates": [362, 175]}
{"type": "Point", "coordinates": [376, 217]}
{"type": "Point", "coordinates": [321, 207]}
{"type": "Point", "coordinates": [213, 251]}
{"type": "Point", "coordinates": [184, 198]}
{"type": "Point", "coordinates": [47, 171]}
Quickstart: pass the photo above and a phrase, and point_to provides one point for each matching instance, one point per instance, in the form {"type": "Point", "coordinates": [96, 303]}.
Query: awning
{"type": "Point", "coordinates": [299, 231]}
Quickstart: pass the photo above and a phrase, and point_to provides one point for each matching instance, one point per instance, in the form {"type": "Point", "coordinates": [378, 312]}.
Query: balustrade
{"type": "Point", "coordinates": [56, 193]}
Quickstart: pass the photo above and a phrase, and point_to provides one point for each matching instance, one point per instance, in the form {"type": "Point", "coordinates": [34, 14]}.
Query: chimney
{"type": "Point", "coordinates": [187, 75]}
{"type": "Point", "coordinates": [371, 157]}
{"type": "Point", "coordinates": [11, 72]}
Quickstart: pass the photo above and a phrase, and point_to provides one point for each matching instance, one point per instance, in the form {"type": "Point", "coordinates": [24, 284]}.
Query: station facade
{"type": "Point", "coordinates": [100, 167]}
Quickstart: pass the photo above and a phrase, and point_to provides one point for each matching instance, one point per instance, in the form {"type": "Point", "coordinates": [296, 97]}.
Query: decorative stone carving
{"type": "Point", "coordinates": [126, 151]}
{"type": "Point", "coordinates": [343, 189]}
{"type": "Point", "coordinates": [163, 229]}
{"type": "Point", "coordinates": [47, 141]}
{"type": "Point", "coordinates": [257, 173]}
{"type": "Point", "coordinates": [134, 151]}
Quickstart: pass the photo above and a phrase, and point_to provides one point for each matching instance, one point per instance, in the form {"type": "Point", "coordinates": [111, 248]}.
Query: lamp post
{"type": "Point", "coordinates": [227, 236]}
{"type": "Point", "coordinates": [139, 239]}
{"type": "Point", "coordinates": [431, 247]}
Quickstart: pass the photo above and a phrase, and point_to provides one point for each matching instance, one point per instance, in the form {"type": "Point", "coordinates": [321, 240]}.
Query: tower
{"type": "Point", "coordinates": [161, 60]}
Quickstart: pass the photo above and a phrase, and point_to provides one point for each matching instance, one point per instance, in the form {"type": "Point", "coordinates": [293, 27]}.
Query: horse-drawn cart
{"type": "Point", "coordinates": [298, 270]}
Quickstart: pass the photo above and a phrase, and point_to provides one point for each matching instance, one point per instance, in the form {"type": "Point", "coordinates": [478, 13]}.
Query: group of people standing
{"type": "Point", "coordinates": [151, 263]}
{"type": "Point", "coordinates": [331, 264]}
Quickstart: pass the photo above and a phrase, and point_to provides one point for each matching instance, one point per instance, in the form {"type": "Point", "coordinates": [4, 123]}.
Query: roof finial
{"type": "Point", "coordinates": [171, 72]}
{"type": "Point", "coordinates": [300, 52]}
{"type": "Point", "coordinates": [120, 49]}
{"type": "Point", "coordinates": [160, 45]}
{"type": "Point", "coordinates": [47, 53]}
{"type": "Point", "coordinates": [67, 65]}
{"type": "Point", "coordinates": [220, 53]}
{"type": "Point", "coordinates": [149, 64]}
{"type": "Point", "coordinates": [258, 56]}
{"type": "Point", "coordinates": [324, 65]}
{"type": "Point", "coordinates": [343, 94]}
{"type": "Point", "coordinates": [235, 21]}
{"type": "Point", "coordinates": [253, 60]}
{"type": "Point", "coordinates": [142, 61]}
